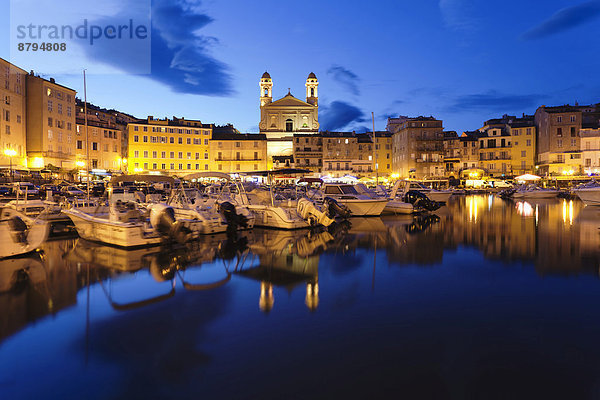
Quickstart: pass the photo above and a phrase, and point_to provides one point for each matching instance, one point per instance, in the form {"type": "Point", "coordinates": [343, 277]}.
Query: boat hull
{"type": "Point", "coordinates": [364, 208]}
{"type": "Point", "coordinates": [536, 194]}
{"type": "Point", "coordinates": [591, 196]}
{"type": "Point", "coordinates": [277, 217]}
{"type": "Point", "coordinates": [98, 229]}
{"type": "Point", "coordinates": [398, 207]}
{"type": "Point", "coordinates": [16, 243]}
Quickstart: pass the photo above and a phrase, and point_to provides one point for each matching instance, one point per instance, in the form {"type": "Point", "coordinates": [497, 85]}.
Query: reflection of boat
{"type": "Point", "coordinates": [112, 257]}
{"type": "Point", "coordinates": [20, 234]}
{"type": "Point", "coordinates": [20, 271]}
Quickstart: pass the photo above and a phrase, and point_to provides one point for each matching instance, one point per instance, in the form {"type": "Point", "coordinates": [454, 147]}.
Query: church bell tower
{"type": "Point", "coordinates": [266, 89]}
{"type": "Point", "coordinates": [312, 97]}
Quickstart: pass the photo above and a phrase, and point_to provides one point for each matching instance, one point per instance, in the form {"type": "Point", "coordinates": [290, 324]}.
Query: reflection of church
{"type": "Point", "coordinates": [280, 119]}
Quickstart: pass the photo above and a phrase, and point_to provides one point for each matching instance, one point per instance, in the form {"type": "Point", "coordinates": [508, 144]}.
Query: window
{"type": "Point", "coordinates": [145, 139]}
{"type": "Point", "coordinates": [573, 132]}
{"type": "Point", "coordinates": [206, 156]}
{"type": "Point", "coordinates": [172, 155]}
{"type": "Point", "coordinates": [135, 128]}
{"type": "Point", "coordinates": [154, 165]}
{"type": "Point", "coordinates": [573, 142]}
{"type": "Point", "coordinates": [528, 142]}
{"type": "Point", "coordinates": [172, 140]}
{"type": "Point", "coordinates": [189, 166]}
{"type": "Point", "coordinates": [136, 138]}
{"type": "Point", "coordinates": [180, 141]}
{"type": "Point", "coordinates": [558, 131]}
{"type": "Point", "coordinates": [237, 144]}
{"type": "Point", "coordinates": [189, 141]}
{"type": "Point", "coordinates": [237, 167]}
{"type": "Point", "coordinates": [256, 143]}
{"type": "Point", "coordinates": [516, 132]}
{"type": "Point", "coordinates": [237, 155]}
{"type": "Point", "coordinates": [50, 121]}
{"type": "Point", "coordinates": [219, 167]}
{"type": "Point", "coordinates": [59, 107]}
{"type": "Point", "coordinates": [180, 155]}
{"type": "Point", "coordinates": [219, 156]}
{"type": "Point", "coordinates": [163, 154]}
{"type": "Point", "coordinates": [154, 153]}
{"type": "Point", "coordinates": [105, 147]}
{"type": "Point", "coordinates": [523, 153]}
{"type": "Point", "coordinates": [197, 156]}
{"type": "Point", "coordinates": [197, 166]}
{"type": "Point", "coordinates": [206, 167]}
{"type": "Point", "coordinates": [180, 166]}
{"type": "Point", "coordinates": [49, 105]}
{"type": "Point", "coordinates": [256, 155]}
{"type": "Point", "coordinates": [163, 166]}
{"type": "Point", "coordinates": [18, 119]}
{"type": "Point", "coordinates": [145, 129]}
{"type": "Point", "coordinates": [95, 146]}
{"type": "Point", "coordinates": [559, 119]}
{"type": "Point", "coordinates": [145, 153]}
{"type": "Point", "coordinates": [289, 125]}
{"type": "Point", "coordinates": [172, 166]}
{"type": "Point", "coordinates": [189, 156]}
{"type": "Point", "coordinates": [560, 158]}
{"type": "Point", "coordinates": [146, 165]}
{"type": "Point", "coordinates": [572, 118]}
{"type": "Point", "coordinates": [136, 154]}
{"type": "Point", "coordinates": [528, 132]}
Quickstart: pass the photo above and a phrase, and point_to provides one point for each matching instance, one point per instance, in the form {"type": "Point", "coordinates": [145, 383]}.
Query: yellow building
{"type": "Point", "coordinates": [234, 152]}
{"type": "Point", "coordinates": [495, 149]}
{"type": "Point", "coordinates": [13, 116]}
{"type": "Point", "coordinates": [383, 153]}
{"type": "Point", "coordinates": [104, 136]}
{"type": "Point", "coordinates": [523, 133]}
{"type": "Point", "coordinates": [174, 147]}
{"type": "Point", "coordinates": [50, 123]}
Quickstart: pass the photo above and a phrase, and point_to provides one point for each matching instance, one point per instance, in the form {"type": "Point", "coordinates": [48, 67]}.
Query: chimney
{"type": "Point", "coordinates": [150, 117]}
{"type": "Point", "coordinates": [52, 80]}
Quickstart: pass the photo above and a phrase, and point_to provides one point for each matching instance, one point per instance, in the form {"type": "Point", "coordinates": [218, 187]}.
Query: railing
{"type": "Point", "coordinates": [238, 159]}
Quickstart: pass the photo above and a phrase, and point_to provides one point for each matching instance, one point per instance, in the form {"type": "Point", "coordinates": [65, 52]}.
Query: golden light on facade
{"type": "Point", "coordinates": [10, 152]}
{"type": "Point", "coordinates": [80, 164]}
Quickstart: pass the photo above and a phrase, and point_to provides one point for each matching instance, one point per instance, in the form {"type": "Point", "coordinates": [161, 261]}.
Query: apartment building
{"type": "Point", "coordinates": [235, 152]}
{"type": "Point", "coordinates": [523, 136]}
{"type": "Point", "coordinates": [417, 147]}
{"type": "Point", "coordinates": [172, 146]}
{"type": "Point", "coordinates": [308, 152]}
{"type": "Point", "coordinates": [104, 138]}
{"type": "Point", "coordinates": [51, 123]}
{"type": "Point", "coordinates": [590, 149]}
{"type": "Point", "coordinates": [13, 113]}
{"type": "Point", "coordinates": [340, 154]}
{"type": "Point", "coordinates": [558, 139]}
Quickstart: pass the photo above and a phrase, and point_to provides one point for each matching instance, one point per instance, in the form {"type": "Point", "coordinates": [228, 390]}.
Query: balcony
{"type": "Point", "coordinates": [237, 159]}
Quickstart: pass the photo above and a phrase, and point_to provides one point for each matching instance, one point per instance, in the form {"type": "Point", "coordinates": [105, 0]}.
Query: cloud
{"type": "Point", "coordinates": [346, 78]}
{"type": "Point", "coordinates": [180, 56]}
{"type": "Point", "coordinates": [339, 114]}
{"type": "Point", "coordinates": [494, 101]}
{"type": "Point", "coordinates": [565, 19]}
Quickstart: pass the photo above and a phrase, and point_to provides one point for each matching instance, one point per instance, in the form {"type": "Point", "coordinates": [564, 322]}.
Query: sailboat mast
{"type": "Point", "coordinates": [87, 141]}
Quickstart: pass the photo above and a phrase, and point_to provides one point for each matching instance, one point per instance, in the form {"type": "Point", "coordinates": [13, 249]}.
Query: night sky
{"type": "Point", "coordinates": [462, 61]}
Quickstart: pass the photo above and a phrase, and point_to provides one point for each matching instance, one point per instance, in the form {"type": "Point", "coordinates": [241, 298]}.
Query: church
{"type": "Point", "coordinates": [281, 119]}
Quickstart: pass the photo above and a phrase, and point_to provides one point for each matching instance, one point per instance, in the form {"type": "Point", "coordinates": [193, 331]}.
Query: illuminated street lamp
{"type": "Point", "coordinates": [10, 153]}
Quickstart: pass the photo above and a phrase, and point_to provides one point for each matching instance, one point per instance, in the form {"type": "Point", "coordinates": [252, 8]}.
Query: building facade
{"type": "Point", "coordinates": [13, 122]}
{"type": "Point", "coordinates": [523, 153]}
{"type": "Point", "coordinates": [417, 146]}
{"type": "Point", "coordinates": [174, 147]}
{"type": "Point", "coordinates": [558, 141]}
{"type": "Point", "coordinates": [234, 152]}
{"type": "Point", "coordinates": [281, 119]}
{"type": "Point", "coordinates": [590, 149]}
{"type": "Point", "coordinates": [308, 152]}
{"type": "Point", "coordinates": [51, 125]}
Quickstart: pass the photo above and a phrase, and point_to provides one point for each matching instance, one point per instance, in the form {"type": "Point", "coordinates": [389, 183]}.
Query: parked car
{"type": "Point", "coordinates": [72, 191]}
{"type": "Point", "coordinates": [4, 190]}
{"type": "Point", "coordinates": [22, 188]}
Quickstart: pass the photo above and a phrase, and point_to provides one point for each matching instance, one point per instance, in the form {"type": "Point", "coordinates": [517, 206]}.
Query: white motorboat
{"type": "Point", "coordinates": [532, 191]}
{"type": "Point", "coordinates": [589, 193]}
{"type": "Point", "coordinates": [219, 198]}
{"type": "Point", "coordinates": [393, 206]}
{"type": "Point", "coordinates": [278, 212]}
{"type": "Point", "coordinates": [359, 205]}
{"type": "Point", "coordinates": [20, 234]}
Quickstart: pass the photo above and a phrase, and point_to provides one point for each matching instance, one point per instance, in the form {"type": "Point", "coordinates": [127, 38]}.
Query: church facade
{"type": "Point", "coordinates": [281, 119]}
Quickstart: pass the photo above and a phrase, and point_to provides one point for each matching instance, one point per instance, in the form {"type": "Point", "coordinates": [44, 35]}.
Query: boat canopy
{"type": "Point", "coordinates": [142, 178]}
{"type": "Point", "coordinates": [207, 174]}
{"type": "Point", "coordinates": [310, 180]}
{"type": "Point", "coordinates": [527, 177]}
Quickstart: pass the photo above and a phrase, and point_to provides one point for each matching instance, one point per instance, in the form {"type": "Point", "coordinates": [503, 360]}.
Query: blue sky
{"type": "Point", "coordinates": [462, 61]}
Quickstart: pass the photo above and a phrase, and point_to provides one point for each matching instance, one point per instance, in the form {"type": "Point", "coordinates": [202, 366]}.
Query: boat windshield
{"type": "Point", "coordinates": [348, 189]}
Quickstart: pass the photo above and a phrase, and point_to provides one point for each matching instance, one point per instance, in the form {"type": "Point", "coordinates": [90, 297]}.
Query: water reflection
{"type": "Point", "coordinates": [431, 291]}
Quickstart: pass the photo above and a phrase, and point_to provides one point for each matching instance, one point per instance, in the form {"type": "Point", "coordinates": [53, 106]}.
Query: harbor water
{"type": "Point", "coordinates": [485, 298]}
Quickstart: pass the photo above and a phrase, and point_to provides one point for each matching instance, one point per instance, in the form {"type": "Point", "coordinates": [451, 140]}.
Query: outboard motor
{"type": "Point", "coordinates": [162, 218]}
{"type": "Point", "coordinates": [420, 201]}
{"type": "Point", "coordinates": [18, 228]}
{"type": "Point", "coordinates": [421, 223]}
{"type": "Point", "coordinates": [334, 208]}
{"type": "Point", "coordinates": [234, 220]}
